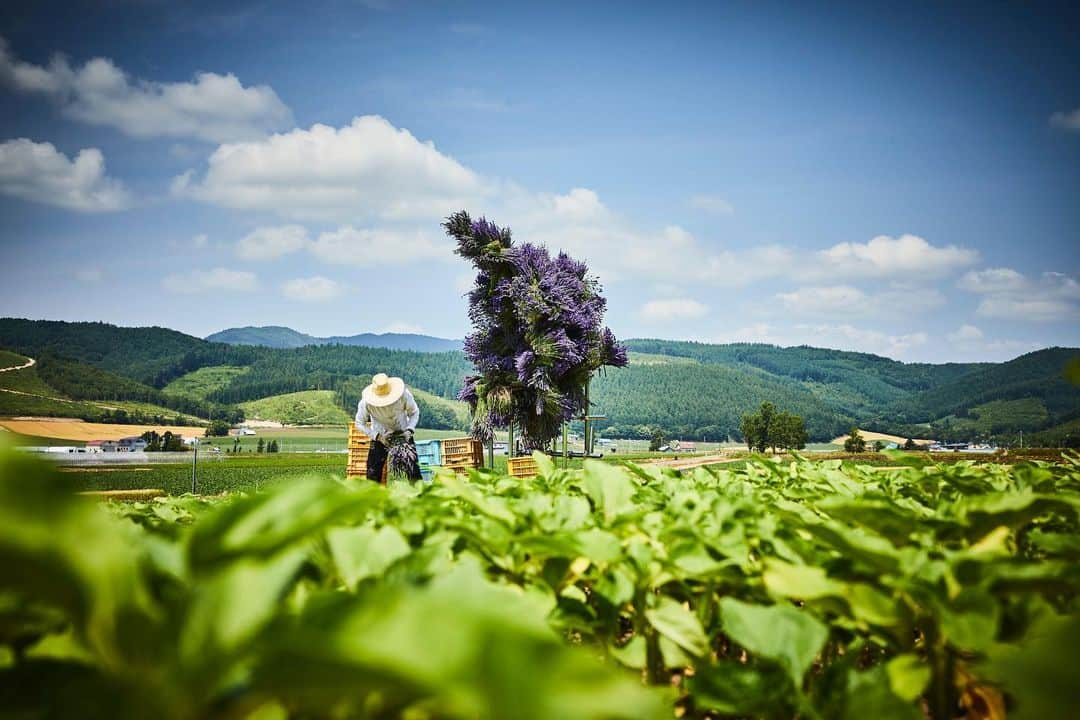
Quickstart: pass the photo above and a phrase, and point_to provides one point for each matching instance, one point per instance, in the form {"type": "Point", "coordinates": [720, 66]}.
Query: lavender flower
{"type": "Point", "coordinates": [538, 333]}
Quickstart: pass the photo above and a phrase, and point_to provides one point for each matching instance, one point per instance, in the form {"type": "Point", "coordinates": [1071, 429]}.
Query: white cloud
{"type": "Point", "coordinates": [970, 341]}
{"type": "Point", "coordinates": [814, 300]}
{"type": "Point", "coordinates": [379, 247]}
{"type": "Point", "coordinates": [867, 340]}
{"type": "Point", "coordinates": [212, 107]}
{"type": "Point", "coordinates": [1066, 120]}
{"type": "Point", "coordinates": [367, 170]}
{"type": "Point", "coordinates": [712, 203]}
{"type": "Point", "coordinates": [269, 243]}
{"type": "Point", "coordinates": [992, 280]}
{"type": "Point", "coordinates": [199, 241]}
{"type": "Point", "coordinates": [312, 289]}
{"type": "Point", "coordinates": [965, 333]}
{"type": "Point", "coordinates": [1032, 309]}
{"type": "Point", "coordinates": [907, 255]}
{"type": "Point", "coordinates": [199, 281]}
{"type": "Point", "coordinates": [40, 173]}
{"type": "Point", "coordinates": [1009, 294]}
{"type": "Point", "coordinates": [673, 309]}
{"type": "Point", "coordinates": [845, 300]}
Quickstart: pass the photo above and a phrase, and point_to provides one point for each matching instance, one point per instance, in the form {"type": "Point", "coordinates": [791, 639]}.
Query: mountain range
{"type": "Point", "coordinates": [685, 389]}
{"type": "Point", "coordinates": [276, 336]}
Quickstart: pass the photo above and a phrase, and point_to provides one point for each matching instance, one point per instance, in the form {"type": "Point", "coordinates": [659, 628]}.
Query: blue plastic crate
{"type": "Point", "coordinates": [428, 452]}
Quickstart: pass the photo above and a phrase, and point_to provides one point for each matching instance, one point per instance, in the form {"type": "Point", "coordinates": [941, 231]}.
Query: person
{"type": "Point", "coordinates": [388, 414]}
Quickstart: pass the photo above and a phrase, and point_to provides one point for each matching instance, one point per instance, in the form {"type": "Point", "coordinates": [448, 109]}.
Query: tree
{"type": "Point", "coordinates": [261, 446]}
{"type": "Point", "coordinates": [789, 432]}
{"type": "Point", "coordinates": [758, 429]}
{"type": "Point", "coordinates": [272, 446]}
{"type": "Point", "coordinates": [855, 442]}
{"type": "Point", "coordinates": [909, 444]}
{"type": "Point", "coordinates": [657, 440]}
{"type": "Point", "coordinates": [218, 428]}
{"type": "Point", "coordinates": [879, 446]}
{"type": "Point", "coordinates": [153, 441]}
{"type": "Point", "coordinates": [538, 335]}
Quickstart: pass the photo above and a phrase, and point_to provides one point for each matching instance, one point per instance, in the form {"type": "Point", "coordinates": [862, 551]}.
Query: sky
{"type": "Point", "coordinates": [899, 180]}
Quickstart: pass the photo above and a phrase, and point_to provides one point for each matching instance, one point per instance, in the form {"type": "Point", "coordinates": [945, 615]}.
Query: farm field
{"type": "Point", "coordinates": [812, 589]}
{"type": "Point", "coordinates": [72, 429]}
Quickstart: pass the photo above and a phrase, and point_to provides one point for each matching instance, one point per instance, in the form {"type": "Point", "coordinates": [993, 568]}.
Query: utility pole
{"type": "Point", "coordinates": [194, 464]}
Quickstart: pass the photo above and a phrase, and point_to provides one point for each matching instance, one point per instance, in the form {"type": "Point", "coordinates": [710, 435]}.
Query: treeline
{"type": "Point", "coordinates": [701, 401]}
{"type": "Point", "coordinates": [80, 381]}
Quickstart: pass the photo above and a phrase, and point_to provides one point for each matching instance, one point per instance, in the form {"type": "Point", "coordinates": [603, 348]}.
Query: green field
{"type": "Point", "coordinates": [204, 381]}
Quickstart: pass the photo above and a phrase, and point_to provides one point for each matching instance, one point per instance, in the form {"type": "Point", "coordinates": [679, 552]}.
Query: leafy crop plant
{"type": "Point", "coordinates": [775, 590]}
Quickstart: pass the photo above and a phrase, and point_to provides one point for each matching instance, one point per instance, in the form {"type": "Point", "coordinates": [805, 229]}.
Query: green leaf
{"type": "Point", "coordinates": [363, 552]}
{"type": "Point", "coordinates": [870, 694]}
{"type": "Point", "coordinates": [780, 633]}
{"type": "Point", "coordinates": [908, 676]}
{"type": "Point", "coordinates": [610, 488]}
{"type": "Point", "coordinates": [679, 625]}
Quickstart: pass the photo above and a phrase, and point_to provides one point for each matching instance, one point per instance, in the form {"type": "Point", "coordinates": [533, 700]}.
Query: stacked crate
{"type": "Point", "coordinates": [462, 453]}
{"type": "Point", "coordinates": [358, 452]}
{"type": "Point", "coordinates": [521, 467]}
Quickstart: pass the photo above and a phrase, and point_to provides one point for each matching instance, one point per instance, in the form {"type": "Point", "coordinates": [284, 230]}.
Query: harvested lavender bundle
{"type": "Point", "coordinates": [538, 334]}
{"type": "Point", "coordinates": [401, 453]}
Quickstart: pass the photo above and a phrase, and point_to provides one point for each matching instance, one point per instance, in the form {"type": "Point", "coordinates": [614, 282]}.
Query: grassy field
{"type": "Point", "coordinates": [309, 407]}
{"type": "Point", "coordinates": [204, 381]}
{"type": "Point", "coordinates": [10, 359]}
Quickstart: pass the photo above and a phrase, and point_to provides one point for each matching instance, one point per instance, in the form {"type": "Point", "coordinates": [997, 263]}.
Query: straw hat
{"type": "Point", "coordinates": [383, 390]}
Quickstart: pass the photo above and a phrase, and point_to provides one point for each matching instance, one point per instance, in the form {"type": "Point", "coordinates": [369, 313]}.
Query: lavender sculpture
{"type": "Point", "coordinates": [537, 334]}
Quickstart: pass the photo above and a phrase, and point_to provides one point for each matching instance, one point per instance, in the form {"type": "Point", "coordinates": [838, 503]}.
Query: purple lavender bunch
{"type": "Point", "coordinates": [538, 333]}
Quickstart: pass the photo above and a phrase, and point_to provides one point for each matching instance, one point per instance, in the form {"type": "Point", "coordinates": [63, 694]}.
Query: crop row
{"type": "Point", "coordinates": [771, 590]}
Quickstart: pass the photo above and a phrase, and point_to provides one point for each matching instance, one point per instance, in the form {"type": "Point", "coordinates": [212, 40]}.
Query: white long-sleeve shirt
{"type": "Point", "coordinates": [395, 417]}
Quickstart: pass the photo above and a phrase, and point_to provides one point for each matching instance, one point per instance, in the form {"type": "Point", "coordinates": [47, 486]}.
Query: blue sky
{"type": "Point", "coordinates": [903, 180]}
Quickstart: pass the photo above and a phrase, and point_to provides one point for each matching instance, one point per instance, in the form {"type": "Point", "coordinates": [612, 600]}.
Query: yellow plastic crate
{"type": "Point", "coordinates": [521, 467]}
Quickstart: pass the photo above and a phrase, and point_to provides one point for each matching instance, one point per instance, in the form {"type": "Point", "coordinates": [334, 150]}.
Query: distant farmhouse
{"type": "Point", "coordinates": [127, 444]}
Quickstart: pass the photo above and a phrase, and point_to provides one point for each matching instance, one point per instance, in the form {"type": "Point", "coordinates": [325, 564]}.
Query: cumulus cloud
{"type": "Point", "coordinates": [40, 173]}
{"type": "Point", "coordinates": [965, 333]}
{"type": "Point", "coordinates": [845, 300]}
{"type": "Point", "coordinates": [367, 170]}
{"type": "Point", "coordinates": [868, 340]}
{"type": "Point", "coordinates": [1009, 294]}
{"type": "Point", "coordinates": [992, 280]}
{"type": "Point", "coordinates": [312, 289]}
{"type": "Point", "coordinates": [1066, 120]}
{"type": "Point", "coordinates": [200, 281]}
{"type": "Point", "coordinates": [212, 107]}
{"type": "Point", "coordinates": [907, 255]}
{"type": "Point", "coordinates": [379, 247]}
{"type": "Point", "coordinates": [813, 300]}
{"type": "Point", "coordinates": [712, 203]}
{"type": "Point", "coordinates": [970, 341]}
{"type": "Point", "coordinates": [673, 309]}
{"type": "Point", "coordinates": [269, 243]}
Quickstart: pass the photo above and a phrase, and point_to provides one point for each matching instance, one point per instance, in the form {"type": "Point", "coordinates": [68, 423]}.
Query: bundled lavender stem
{"type": "Point", "coordinates": [401, 454]}
{"type": "Point", "coordinates": [538, 334]}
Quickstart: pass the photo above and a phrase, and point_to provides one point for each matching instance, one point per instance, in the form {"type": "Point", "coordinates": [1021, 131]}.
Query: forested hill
{"type": "Point", "coordinates": [688, 389]}
{"type": "Point", "coordinates": [276, 336]}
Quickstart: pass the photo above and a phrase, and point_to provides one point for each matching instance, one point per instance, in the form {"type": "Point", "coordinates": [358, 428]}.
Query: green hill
{"type": "Point", "coordinates": [275, 336]}
{"type": "Point", "coordinates": [204, 381]}
{"type": "Point", "coordinates": [308, 407]}
{"type": "Point", "coordinates": [685, 388]}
